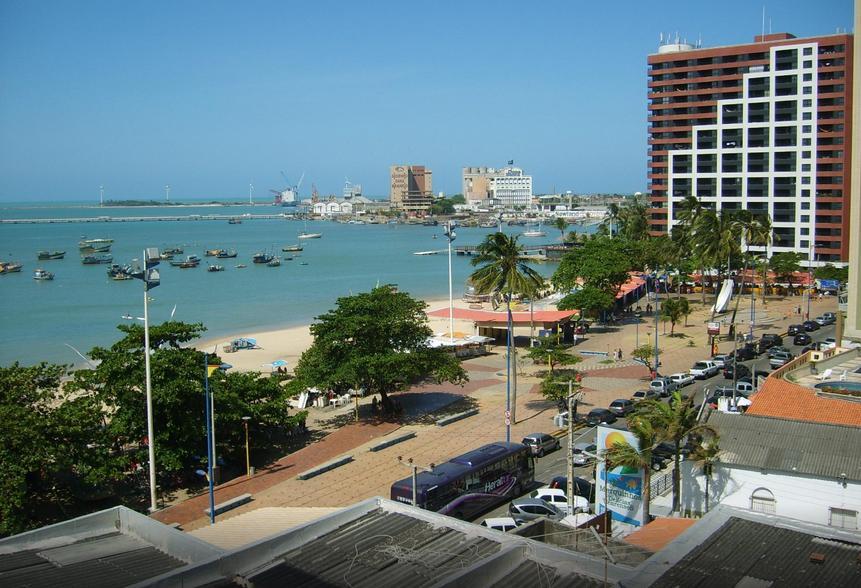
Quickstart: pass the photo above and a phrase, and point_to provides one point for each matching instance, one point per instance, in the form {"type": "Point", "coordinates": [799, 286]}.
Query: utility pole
{"type": "Point", "coordinates": [573, 399]}
{"type": "Point", "coordinates": [415, 468]}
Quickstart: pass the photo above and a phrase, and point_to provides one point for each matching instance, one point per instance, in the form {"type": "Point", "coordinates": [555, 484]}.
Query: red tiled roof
{"type": "Point", "coordinates": [634, 281]}
{"type": "Point", "coordinates": [657, 534]}
{"type": "Point", "coordinates": [782, 399]}
{"type": "Point", "coordinates": [487, 316]}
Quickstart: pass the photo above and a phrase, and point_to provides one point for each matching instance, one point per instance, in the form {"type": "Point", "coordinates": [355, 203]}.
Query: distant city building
{"type": "Point", "coordinates": [411, 188]}
{"type": "Point", "coordinates": [760, 126]}
{"type": "Point", "coordinates": [351, 190]}
{"type": "Point", "coordinates": [335, 207]}
{"type": "Point", "coordinates": [853, 322]}
{"type": "Point", "coordinates": [507, 187]}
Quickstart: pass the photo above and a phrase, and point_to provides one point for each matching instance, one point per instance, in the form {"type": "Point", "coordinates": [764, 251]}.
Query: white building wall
{"type": "Point", "coordinates": [799, 497]}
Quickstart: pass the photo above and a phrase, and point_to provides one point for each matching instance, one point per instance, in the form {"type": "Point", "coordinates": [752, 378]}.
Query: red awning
{"type": "Point", "coordinates": [518, 318]}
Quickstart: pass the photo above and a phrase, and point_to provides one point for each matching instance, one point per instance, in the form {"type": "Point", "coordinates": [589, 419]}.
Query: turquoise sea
{"type": "Point", "coordinates": [81, 307]}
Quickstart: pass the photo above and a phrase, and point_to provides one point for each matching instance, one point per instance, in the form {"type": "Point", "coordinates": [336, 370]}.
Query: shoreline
{"type": "Point", "coordinates": [288, 343]}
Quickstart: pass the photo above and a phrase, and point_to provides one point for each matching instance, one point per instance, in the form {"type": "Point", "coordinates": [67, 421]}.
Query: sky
{"type": "Point", "coordinates": [209, 96]}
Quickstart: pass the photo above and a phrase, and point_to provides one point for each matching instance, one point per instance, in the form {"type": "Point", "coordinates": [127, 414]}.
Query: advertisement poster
{"type": "Point", "coordinates": [620, 489]}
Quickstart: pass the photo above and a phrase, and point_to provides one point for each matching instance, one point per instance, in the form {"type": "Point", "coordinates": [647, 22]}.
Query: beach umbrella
{"type": "Point", "coordinates": [279, 363]}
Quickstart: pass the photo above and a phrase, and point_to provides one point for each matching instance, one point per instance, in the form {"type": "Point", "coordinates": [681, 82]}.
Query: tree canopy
{"type": "Point", "coordinates": [375, 340]}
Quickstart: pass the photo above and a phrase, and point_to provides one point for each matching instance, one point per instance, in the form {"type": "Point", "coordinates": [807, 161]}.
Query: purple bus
{"type": "Point", "coordinates": [473, 482]}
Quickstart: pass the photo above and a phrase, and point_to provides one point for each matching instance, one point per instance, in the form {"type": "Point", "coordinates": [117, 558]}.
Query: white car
{"type": "Point", "coordinates": [558, 498]}
{"type": "Point", "coordinates": [829, 343]}
{"type": "Point", "coordinates": [721, 360]}
{"type": "Point", "coordinates": [500, 523]}
{"type": "Point", "coordinates": [703, 369]}
{"type": "Point", "coordinates": [682, 379]}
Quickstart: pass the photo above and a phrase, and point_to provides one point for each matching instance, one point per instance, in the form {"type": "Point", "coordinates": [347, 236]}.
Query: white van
{"type": "Point", "coordinates": [503, 524]}
{"type": "Point", "coordinates": [745, 388]}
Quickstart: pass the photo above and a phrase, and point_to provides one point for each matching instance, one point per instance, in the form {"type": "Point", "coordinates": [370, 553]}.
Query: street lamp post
{"type": "Point", "coordinates": [245, 420]}
{"type": "Point", "coordinates": [657, 303]}
{"type": "Point", "coordinates": [151, 279]}
{"type": "Point", "coordinates": [449, 232]}
{"type": "Point", "coordinates": [415, 468]}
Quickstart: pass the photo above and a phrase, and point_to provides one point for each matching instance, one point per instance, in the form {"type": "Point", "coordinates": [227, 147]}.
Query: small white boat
{"type": "Point", "coordinates": [534, 234]}
{"type": "Point", "coordinates": [42, 275]}
{"type": "Point", "coordinates": [310, 235]}
{"type": "Point", "coordinates": [425, 252]}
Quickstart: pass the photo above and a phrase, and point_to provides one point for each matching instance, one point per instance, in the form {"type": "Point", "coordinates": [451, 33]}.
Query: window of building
{"type": "Point", "coordinates": [805, 206]}
{"type": "Point", "coordinates": [808, 64]}
{"type": "Point", "coordinates": [807, 115]}
{"type": "Point", "coordinates": [805, 180]}
{"type": "Point", "coordinates": [805, 218]}
{"type": "Point", "coordinates": [808, 51]}
{"type": "Point", "coordinates": [804, 244]}
{"type": "Point", "coordinates": [805, 193]}
{"type": "Point", "coordinates": [805, 167]}
{"type": "Point", "coordinates": [807, 103]}
{"type": "Point", "coordinates": [805, 141]}
{"type": "Point", "coordinates": [843, 518]}
{"type": "Point", "coordinates": [808, 77]}
{"type": "Point", "coordinates": [807, 90]}
{"type": "Point", "coordinates": [805, 155]}
{"type": "Point", "coordinates": [807, 128]}
{"type": "Point", "coordinates": [762, 500]}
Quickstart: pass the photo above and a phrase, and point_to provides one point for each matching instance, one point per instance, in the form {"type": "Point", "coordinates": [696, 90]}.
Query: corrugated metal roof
{"type": "Point", "coordinates": [532, 573]}
{"type": "Point", "coordinates": [746, 549]}
{"type": "Point", "coordinates": [801, 447]}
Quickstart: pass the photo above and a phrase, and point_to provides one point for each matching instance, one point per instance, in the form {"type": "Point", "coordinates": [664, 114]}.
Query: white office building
{"type": "Point", "coordinates": [504, 188]}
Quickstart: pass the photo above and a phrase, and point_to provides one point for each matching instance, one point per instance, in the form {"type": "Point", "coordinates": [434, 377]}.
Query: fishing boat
{"type": "Point", "coordinates": [189, 261]}
{"type": "Point", "coordinates": [188, 264]}
{"type": "Point", "coordinates": [261, 258]}
{"type": "Point", "coordinates": [215, 268]}
{"type": "Point", "coordinates": [274, 262]}
{"type": "Point", "coordinates": [42, 275]}
{"type": "Point", "coordinates": [173, 250]}
{"type": "Point", "coordinates": [87, 249]}
{"type": "Point", "coordinates": [535, 232]}
{"type": "Point", "coordinates": [425, 252]}
{"type": "Point", "coordinates": [165, 256]}
{"type": "Point", "coordinates": [120, 272]}
{"type": "Point", "coordinates": [9, 267]}
{"type": "Point", "coordinates": [42, 255]}
{"type": "Point", "coordinates": [310, 235]}
{"type": "Point", "coordinates": [97, 259]}
{"type": "Point", "coordinates": [96, 244]}
{"type": "Point", "coordinates": [226, 253]}
{"type": "Point", "coordinates": [213, 252]}
{"type": "Point", "coordinates": [234, 221]}
{"type": "Point", "coordinates": [292, 248]}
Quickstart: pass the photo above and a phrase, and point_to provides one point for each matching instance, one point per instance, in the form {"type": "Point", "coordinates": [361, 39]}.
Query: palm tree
{"type": "Point", "coordinates": [625, 456]}
{"type": "Point", "coordinates": [504, 273]}
{"type": "Point", "coordinates": [714, 239]}
{"type": "Point", "coordinates": [705, 456]}
{"type": "Point", "coordinates": [561, 224]}
{"type": "Point", "coordinates": [689, 212]}
{"type": "Point", "coordinates": [612, 215]}
{"type": "Point", "coordinates": [674, 421]}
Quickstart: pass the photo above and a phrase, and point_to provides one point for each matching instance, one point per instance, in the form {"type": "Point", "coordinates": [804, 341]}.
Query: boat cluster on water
{"type": "Point", "coordinates": [98, 251]}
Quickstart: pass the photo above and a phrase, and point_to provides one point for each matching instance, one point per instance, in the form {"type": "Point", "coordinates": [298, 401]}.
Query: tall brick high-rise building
{"type": "Point", "coordinates": [764, 126]}
{"type": "Point", "coordinates": [411, 188]}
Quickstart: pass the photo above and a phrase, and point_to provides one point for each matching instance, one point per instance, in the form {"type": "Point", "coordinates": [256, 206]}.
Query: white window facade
{"type": "Point", "coordinates": [758, 156]}
{"type": "Point", "coordinates": [843, 518]}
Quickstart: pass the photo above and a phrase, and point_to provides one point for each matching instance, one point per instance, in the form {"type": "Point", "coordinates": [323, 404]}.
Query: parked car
{"type": "Point", "coordinates": [641, 395]}
{"type": "Point", "coordinates": [795, 329]}
{"type": "Point", "coordinates": [529, 509]}
{"type": "Point", "coordinates": [777, 349]}
{"type": "Point", "coordinates": [830, 316]}
{"type": "Point", "coordinates": [759, 374]}
{"type": "Point", "coordinates": [540, 443]}
{"type": "Point", "coordinates": [736, 371]}
{"type": "Point", "coordinates": [748, 351]}
{"type": "Point", "coordinates": [663, 386]}
{"type": "Point", "coordinates": [583, 453]}
{"type": "Point", "coordinates": [682, 379]}
{"type": "Point", "coordinates": [780, 359]}
{"type": "Point", "coordinates": [703, 369]}
{"type": "Point", "coordinates": [597, 416]}
{"type": "Point", "coordinates": [769, 340]}
{"type": "Point", "coordinates": [815, 346]}
{"type": "Point", "coordinates": [621, 407]}
{"type": "Point", "coordinates": [723, 392]}
{"type": "Point", "coordinates": [811, 326]}
{"type": "Point", "coordinates": [829, 343]}
{"type": "Point", "coordinates": [582, 486]}
{"type": "Point", "coordinates": [558, 498]}
{"type": "Point", "coordinates": [823, 320]}
{"type": "Point", "coordinates": [802, 339]}
{"type": "Point", "coordinates": [503, 524]}
{"type": "Point", "coordinates": [745, 388]}
{"type": "Point", "coordinates": [722, 359]}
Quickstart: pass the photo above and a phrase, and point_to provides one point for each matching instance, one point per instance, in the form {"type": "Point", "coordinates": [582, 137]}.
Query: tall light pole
{"type": "Point", "coordinates": [151, 279]}
{"type": "Point", "coordinates": [657, 287]}
{"type": "Point", "coordinates": [449, 232]}
{"type": "Point", "coordinates": [210, 453]}
{"type": "Point", "coordinates": [245, 420]}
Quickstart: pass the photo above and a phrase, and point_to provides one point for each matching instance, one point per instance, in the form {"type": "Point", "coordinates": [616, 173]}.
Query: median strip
{"type": "Point", "coordinates": [392, 441]}
{"type": "Point", "coordinates": [456, 417]}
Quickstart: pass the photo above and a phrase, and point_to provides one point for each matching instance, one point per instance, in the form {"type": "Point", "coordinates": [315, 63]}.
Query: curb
{"type": "Point", "coordinates": [329, 465]}
{"type": "Point", "coordinates": [394, 441]}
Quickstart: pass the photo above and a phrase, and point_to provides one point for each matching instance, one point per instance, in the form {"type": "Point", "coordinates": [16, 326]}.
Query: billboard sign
{"type": "Point", "coordinates": [714, 328]}
{"type": "Point", "coordinates": [621, 489]}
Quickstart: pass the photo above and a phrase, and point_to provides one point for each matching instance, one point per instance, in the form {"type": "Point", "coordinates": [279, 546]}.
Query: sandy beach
{"type": "Point", "coordinates": [288, 344]}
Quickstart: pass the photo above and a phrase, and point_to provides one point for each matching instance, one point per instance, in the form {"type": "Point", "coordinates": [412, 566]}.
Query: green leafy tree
{"type": "Point", "coordinates": [48, 447]}
{"type": "Point", "coordinates": [633, 459]}
{"type": "Point", "coordinates": [503, 272]}
{"type": "Point", "coordinates": [645, 353]}
{"type": "Point", "coordinates": [601, 263]}
{"type": "Point", "coordinates": [554, 388]}
{"type": "Point", "coordinates": [552, 353]}
{"type": "Point", "coordinates": [589, 300]}
{"type": "Point", "coordinates": [457, 199]}
{"type": "Point", "coordinates": [830, 272]}
{"type": "Point", "coordinates": [375, 340]}
{"type": "Point", "coordinates": [674, 421]}
{"type": "Point", "coordinates": [785, 264]}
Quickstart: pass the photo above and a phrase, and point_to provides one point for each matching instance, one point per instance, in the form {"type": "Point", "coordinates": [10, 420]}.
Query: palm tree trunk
{"type": "Point", "coordinates": [647, 494]}
{"type": "Point", "coordinates": [677, 478]}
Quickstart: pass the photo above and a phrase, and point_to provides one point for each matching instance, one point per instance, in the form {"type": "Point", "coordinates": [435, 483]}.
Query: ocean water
{"type": "Point", "coordinates": [81, 307]}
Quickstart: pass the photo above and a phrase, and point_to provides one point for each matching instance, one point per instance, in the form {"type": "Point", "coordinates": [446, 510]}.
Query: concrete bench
{"type": "Point", "coordinates": [230, 504]}
{"type": "Point", "coordinates": [329, 465]}
{"type": "Point", "coordinates": [392, 441]}
{"type": "Point", "coordinates": [456, 417]}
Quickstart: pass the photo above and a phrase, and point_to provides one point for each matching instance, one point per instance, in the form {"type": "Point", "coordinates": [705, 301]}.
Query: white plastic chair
{"type": "Point", "coordinates": [843, 376]}
{"type": "Point", "coordinates": [825, 375]}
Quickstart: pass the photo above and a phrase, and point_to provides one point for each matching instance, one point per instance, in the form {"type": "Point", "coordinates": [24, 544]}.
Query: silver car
{"type": "Point", "coordinates": [583, 453]}
{"type": "Point", "coordinates": [529, 509]}
{"type": "Point", "coordinates": [540, 443]}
